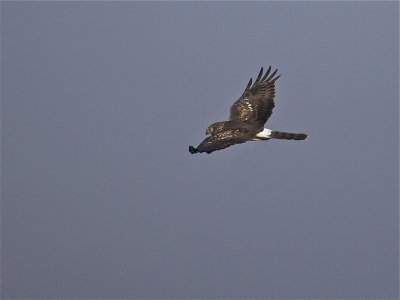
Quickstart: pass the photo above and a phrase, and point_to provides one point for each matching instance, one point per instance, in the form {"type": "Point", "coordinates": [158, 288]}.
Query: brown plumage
{"type": "Point", "coordinates": [257, 102]}
{"type": "Point", "coordinates": [247, 118]}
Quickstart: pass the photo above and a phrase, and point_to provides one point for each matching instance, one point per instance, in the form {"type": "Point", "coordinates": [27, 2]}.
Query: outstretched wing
{"type": "Point", "coordinates": [257, 102]}
{"type": "Point", "coordinates": [222, 140]}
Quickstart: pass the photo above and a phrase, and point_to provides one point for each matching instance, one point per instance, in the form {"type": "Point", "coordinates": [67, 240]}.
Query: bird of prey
{"type": "Point", "coordinates": [247, 118]}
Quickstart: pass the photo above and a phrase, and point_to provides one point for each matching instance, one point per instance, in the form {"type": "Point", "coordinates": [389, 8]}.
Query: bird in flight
{"type": "Point", "coordinates": [247, 118]}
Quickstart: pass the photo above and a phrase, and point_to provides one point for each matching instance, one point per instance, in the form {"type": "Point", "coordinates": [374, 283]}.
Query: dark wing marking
{"type": "Point", "coordinates": [222, 140]}
{"type": "Point", "coordinates": [257, 102]}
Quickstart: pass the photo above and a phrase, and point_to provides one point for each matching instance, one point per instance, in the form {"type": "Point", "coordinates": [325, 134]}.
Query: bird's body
{"type": "Point", "coordinates": [247, 118]}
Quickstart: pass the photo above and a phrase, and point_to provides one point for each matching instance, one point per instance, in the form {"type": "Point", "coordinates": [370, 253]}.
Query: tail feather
{"type": "Point", "coordinates": [288, 136]}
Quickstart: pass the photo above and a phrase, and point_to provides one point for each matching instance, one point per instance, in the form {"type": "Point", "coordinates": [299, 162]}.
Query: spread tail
{"type": "Point", "coordinates": [288, 136]}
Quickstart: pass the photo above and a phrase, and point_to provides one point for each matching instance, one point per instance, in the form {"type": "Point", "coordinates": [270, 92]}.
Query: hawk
{"type": "Point", "coordinates": [247, 118]}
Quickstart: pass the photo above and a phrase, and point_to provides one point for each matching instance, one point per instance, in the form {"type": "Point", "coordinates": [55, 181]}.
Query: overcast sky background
{"type": "Point", "coordinates": [102, 199]}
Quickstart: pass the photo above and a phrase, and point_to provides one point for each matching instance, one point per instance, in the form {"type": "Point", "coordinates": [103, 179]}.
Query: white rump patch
{"type": "Point", "coordinates": [265, 134]}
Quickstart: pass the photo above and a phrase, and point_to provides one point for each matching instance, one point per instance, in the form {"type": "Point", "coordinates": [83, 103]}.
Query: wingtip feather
{"type": "Point", "coordinates": [193, 150]}
{"type": "Point", "coordinates": [272, 75]}
{"type": "Point", "coordinates": [266, 73]}
{"type": "Point", "coordinates": [259, 76]}
{"type": "Point", "coordinates": [248, 85]}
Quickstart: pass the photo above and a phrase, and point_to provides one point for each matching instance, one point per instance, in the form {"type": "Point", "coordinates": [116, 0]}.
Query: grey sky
{"type": "Point", "coordinates": [102, 199]}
